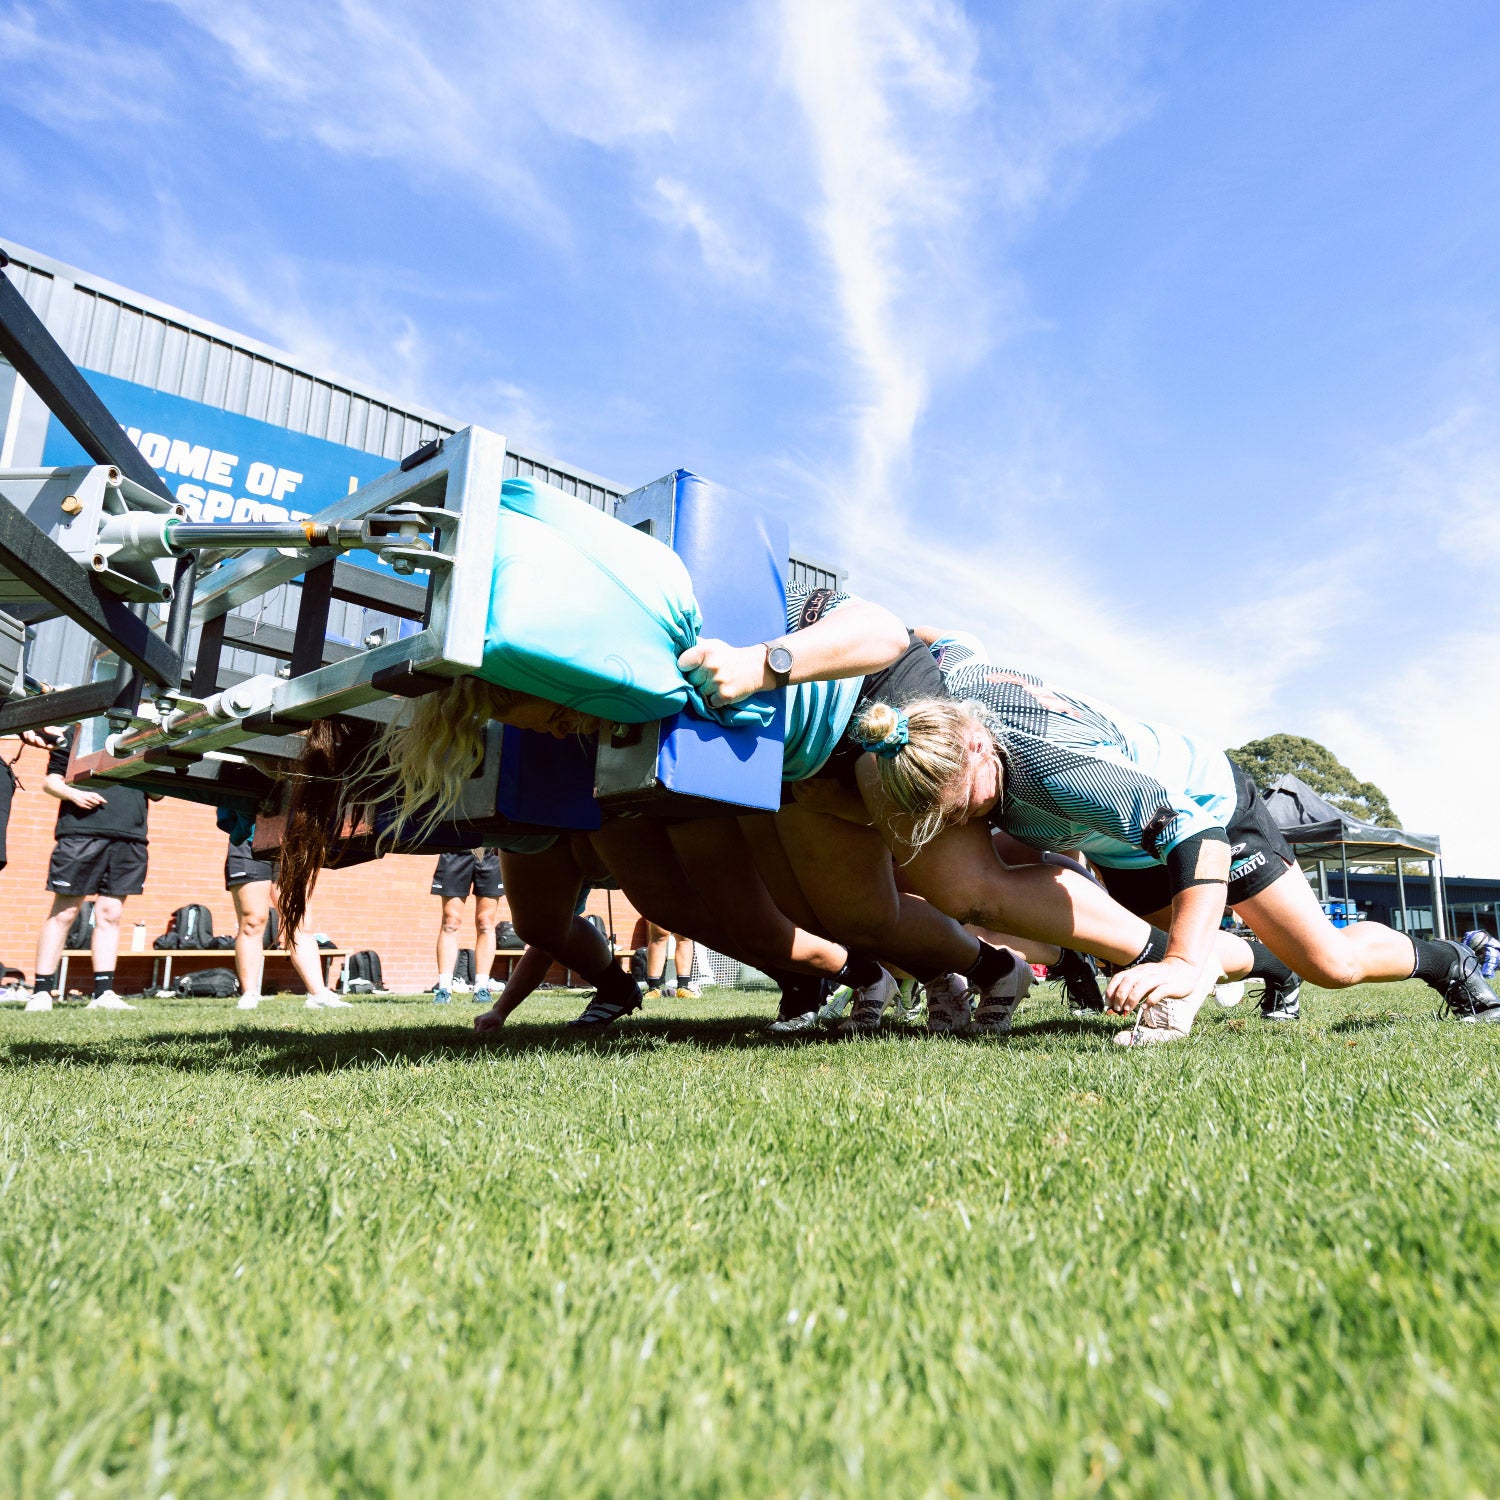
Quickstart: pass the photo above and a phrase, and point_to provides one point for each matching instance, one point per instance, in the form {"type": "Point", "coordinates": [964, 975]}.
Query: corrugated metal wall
{"type": "Point", "coordinates": [158, 346]}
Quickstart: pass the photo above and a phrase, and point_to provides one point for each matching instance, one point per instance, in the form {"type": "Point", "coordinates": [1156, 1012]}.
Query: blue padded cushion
{"type": "Point", "coordinates": [736, 555]}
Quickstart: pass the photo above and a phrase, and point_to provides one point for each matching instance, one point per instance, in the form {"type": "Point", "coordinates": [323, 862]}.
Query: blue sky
{"type": "Point", "coordinates": [1158, 342]}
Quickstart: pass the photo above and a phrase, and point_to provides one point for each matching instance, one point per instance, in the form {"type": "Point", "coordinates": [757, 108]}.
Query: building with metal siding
{"type": "Point", "coordinates": [109, 330]}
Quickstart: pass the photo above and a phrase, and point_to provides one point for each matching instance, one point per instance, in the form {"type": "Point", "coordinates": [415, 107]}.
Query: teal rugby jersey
{"type": "Point", "coordinates": [1081, 777]}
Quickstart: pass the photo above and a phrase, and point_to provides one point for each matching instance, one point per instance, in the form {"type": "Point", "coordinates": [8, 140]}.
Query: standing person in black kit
{"type": "Point", "coordinates": [454, 877]}
{"type": "Point", "coordinates": [100, 852]}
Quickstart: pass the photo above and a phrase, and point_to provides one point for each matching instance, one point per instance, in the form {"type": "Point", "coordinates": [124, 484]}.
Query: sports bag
{"type": "Point", "coordinates": [361, 974]}
{"type": "Point", "coordinates": [273, 930]}
{"type": "Point", "coordinates": [193, 926]}
{"type": "Point", "coordinates": [218, 984]}
{"type": "Point", "coordinates": [81, 933]}
{"type": "Point", "coordinates": [591, 613]}
{"type": "Point", "coordinates": [463, 967]}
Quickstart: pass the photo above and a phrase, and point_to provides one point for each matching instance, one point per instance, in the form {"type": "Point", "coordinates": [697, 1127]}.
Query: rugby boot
{"type": "Point", "coordinates": [799, 1007]}
{"type": "Point", "coordinates": [948, 1012]}
{"type": "Point", "coordinates": [1169, 1020]}
{"type": "Point", "coordinates": [871, 1002]}
{"type": "Point", "coordinates": [1080, 983]}
{"type": "Point", "coordinates": [618, 994]}
{"type": "Point", "coordinates": [1467, 996]}
{"type": "Point", "coordinates": [1281, 1000]}
{"type": "Point", "coordinates": [996, 1007]}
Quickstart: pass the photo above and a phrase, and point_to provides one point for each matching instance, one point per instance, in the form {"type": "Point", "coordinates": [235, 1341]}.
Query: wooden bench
{"type": "Point", "coordinates": [162, 959]}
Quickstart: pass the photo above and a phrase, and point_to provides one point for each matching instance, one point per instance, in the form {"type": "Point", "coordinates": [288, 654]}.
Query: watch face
{"type": "Point", "coordinates": [779, 659]}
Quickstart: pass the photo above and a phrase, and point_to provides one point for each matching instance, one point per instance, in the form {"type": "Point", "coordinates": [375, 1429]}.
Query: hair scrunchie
{"type": "Point", "coordinates": [891, 744]}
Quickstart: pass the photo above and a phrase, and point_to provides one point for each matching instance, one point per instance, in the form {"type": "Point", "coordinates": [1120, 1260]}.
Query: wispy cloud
{"type": "Point", "coordinates": [723, 249]}
{"type": "Point", "coordinates": [471, 104]}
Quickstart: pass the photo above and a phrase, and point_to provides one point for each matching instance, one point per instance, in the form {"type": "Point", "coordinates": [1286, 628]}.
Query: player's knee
{"type": "Point", "coordinates": [1333, 966]}
{"type": "Point", "coordinates": [252, 924]}
{"type": "Point", "coordinates": [107, 911]}
{"type": "Point", "coordinates": [451, 924]}
{"type": "Point", "coordinates": [484, 926]}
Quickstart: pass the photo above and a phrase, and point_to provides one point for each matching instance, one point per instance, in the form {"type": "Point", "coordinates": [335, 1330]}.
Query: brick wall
{"type": "Point", "coordinates": [384, 904]}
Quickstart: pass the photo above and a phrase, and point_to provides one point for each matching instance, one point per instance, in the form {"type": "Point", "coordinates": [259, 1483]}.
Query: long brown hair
{"type": "Point", "coordinates": [420, 760]}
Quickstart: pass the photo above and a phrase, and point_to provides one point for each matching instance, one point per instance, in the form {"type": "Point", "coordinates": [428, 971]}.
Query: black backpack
{"type": "Point", "coordinates": [361, 974]}
{"type": "Point", "coordinates": [463, 969]}
{"type": "Point", "coordinates": [219, 984]}
{"type": "Point", "coordinates": [82, 931]}
{"type": "Point", "coordinates": [193, 926]}
{"type": "Point", "coordinates": [273, 930]}
{"type": "Point", "coordinates": [507, 937]}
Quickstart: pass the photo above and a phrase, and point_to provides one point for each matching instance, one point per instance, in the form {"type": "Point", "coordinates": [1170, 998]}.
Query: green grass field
{"type": "Point", "coordinates": [358, 1254]}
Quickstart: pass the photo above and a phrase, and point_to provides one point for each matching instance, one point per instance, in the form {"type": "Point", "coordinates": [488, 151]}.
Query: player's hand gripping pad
{"type": "Point", "coordinates": [736, 556]}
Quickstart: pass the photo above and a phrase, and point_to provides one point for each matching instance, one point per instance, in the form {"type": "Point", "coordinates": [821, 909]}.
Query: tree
{"type": "Point", "coordinates": [1264, 760]}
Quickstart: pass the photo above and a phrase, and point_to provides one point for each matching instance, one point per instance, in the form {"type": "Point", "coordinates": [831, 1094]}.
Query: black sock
{"type": "Point", "coordinates": [925, 975]}
{"type": "Point", "coordinates": [859, 970]}
{"type": "Point", "coordinates": [992, 965]}
{"type": "Point", "coordinates": [47, 982]}
{"type": "Point", "coordinates": [1265, 965]}
{"type": "Point", "coordinates": [104, 981]}
{"type": "Point", "coordinates": [655, 981]}
{"type": "Point", "coordinates": [1154, 951]}
{"type": "Point", "coordinates": [610, 977]}
{"type": "Point", "coordinates": [1434, 960]}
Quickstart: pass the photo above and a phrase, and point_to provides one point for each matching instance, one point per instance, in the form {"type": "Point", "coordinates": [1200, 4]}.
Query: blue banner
{"type": "Point", "coordinates": [220, 465]}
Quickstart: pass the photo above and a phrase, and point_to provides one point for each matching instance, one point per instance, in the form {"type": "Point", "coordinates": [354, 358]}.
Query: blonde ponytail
{"type": "Point", "coordinates": [922, 755]}
{"type": "Point", "coordinates": [431, 748]}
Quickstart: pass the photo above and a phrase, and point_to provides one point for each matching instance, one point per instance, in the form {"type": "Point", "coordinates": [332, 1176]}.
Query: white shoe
{"type": "Point", "coordinates": [459, 987]}
{"type": "Point", "coordinates": [948, 1011]}
{"type": "Point", "coordinates": [997, 1006]}
{"type": "Point", "coordinates": [870, 1005]}
{"type": "Point", "coordinates": [248, 1002]}
{"type": "Point", "coordinates": [42, 1000]}
{"type": "Point", "coordinates": [108, 1001]}
{"type": "Point", "coordinates": [329, 1001]}
{"type": "Point", "coordinates": [1169, 1020]}
{"type": "Point", "coordinates": [1230, 993]}
{"type": "Point", "coordinates": [12, 995]}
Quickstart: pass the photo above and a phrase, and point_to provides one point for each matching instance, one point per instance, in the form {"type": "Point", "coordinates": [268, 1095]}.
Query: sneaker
{"type": "Point", "coordinates": [1281, 1000]}
{"type": "Point", "coordinates": [997, 1005]}
{"type": "Point", "coordinates": [1230, 993]}
{"type": "Point", "coordinates": [108, 1001]}
{"type": "Point", "coordinates": [605, 1009]}
{"type": "Point", "coordinates": [1468, 997]}
{"type": "Point", "coordinates": [12, 994]}
{"type": "Point", "coordinates": [42, 1000]}
{"type": "Point", "coordinates": [871, 1001]}
{"type": "Point", "coordinates": [330, 1001]}
{"type": "Point", "coordinates": [248, 1002]}
{"type": "Point", "coordinates": [807, 1020]}
{"type": "Point", "coordinates": [459, 987]}
{"type": "Point", "coordinates": [833, 1009]}
{"type": "Point", "coordinates": [654, 993]}
{"type": "Point", "coordinates": [1080, 983]}
{"type": "Point", "coordinates": [1168, 1020]}
{"type": "Point", "coordinates": [689, 991]}
{"type": "Point", "coordinates": [484, 996]}
{"type": "Point", "coordinates": [441, 996]}
{"type": "Point", "coordinates": [948, 1011]}
{"type": "Point", "coordinates": [909, 1002]}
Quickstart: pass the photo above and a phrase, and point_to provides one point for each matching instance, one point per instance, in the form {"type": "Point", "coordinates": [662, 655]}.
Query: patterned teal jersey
{"type": "Point", "coordinates": [1081, 777]}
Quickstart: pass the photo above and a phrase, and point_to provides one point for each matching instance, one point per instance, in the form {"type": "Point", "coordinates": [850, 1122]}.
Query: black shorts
{"type": "Point", "coordinates": [456, 874]}
{"type": "Point", "coordinates": [89, 865]}
{"type": "Point", "coordinates": [914, 674]}
{"type": "Point", "coordinates": [241, 867]}
{"type": "Point", "coordinates": [7, 792]}
{"type": "Point", "coordinates": [1259, 855]}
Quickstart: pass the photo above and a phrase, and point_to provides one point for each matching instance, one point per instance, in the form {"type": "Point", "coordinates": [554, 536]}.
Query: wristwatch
{"type": "Point", "coordinates": [779, 660]}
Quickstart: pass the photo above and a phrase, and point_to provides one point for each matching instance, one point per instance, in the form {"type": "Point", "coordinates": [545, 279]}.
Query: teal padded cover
{"type": "Point", "coordinates": [588, 612]}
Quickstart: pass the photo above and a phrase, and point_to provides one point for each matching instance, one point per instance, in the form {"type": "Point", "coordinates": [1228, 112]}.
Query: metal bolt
{"type": "Point", "coordinates": [403, 565]}
{"type": "Point", "coordinates": [71, 505]}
